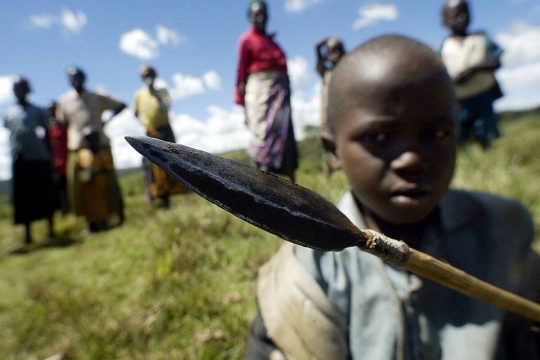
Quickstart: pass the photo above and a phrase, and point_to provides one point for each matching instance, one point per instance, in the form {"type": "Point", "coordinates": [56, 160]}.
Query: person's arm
{"type": "Point", "coordinates": [488, 65]}
{"type": "Point", "coordinates": [115, 106]}
{"type": "Point", "coordinates": [321, 57]}
{"type": "Point", "coordinates": [136, 106]}
{"type": "Point", "coordinates": [241, 74]}
{"type": "Point", "coordinates": [491, 64]}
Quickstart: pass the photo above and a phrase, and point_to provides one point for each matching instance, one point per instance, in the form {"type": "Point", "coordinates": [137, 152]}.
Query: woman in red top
{"type": "Point", "coordinates": [262, 87]}
{"type": "Point", "coordinates": [58, 141]}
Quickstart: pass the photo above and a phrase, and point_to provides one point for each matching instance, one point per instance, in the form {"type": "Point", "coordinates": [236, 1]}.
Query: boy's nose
{"type": "Point", "coordinates": [408, 161]}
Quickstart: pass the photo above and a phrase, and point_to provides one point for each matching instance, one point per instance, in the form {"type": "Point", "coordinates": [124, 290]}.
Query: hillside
{"type": "Point", "coordinates": [179, 283]}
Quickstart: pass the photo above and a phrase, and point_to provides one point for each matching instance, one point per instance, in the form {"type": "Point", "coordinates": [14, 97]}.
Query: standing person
{"type": "Point", "coordinates": [58, 141]}
{"type": "Point", "coordinates": [82, 110]}
{"type": "Point", "coordinates": [328, 51]}
{"type": "Point", "coordinates": [262, 87]}
{"type": "Point", "coordinates": [471, 58]}
{"type": "Point", "coordinates": [399, 159]}
{"type": "Point", "coordinates": [151, 105]}
{"type": "Point", "coordinates": [32, 183]}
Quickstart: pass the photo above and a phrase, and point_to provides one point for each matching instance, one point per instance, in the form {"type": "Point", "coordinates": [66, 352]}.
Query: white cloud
{"type": "Point", "coordinates": [521, 86]}
{"type": "Point", "coordinates": [520, 44]}
{"type": "Point", "coordinates": [514, 79]}
{"type": "Point", "coordinates": [166, 36]}
{"type": "Point", "coordinates": [306, 107]}
{"type": "Point", "coordinates": [520, 72]}
{"type": "Point", "coordinates": [139, 44]}
{"type": "Point", "coordinates": [222, 130]}
{"type": "Point", "coordinates": [212, 80]}
{"type": "Point", "coordinates": [68, 20]}
{"type": "Point", "coordinates": [187, 85]}
{"type": "Point", "coordinates": [6, 89]}
{"type": "Point", "coordinates": [370, 15]}
{"type": "Point", "coordinates": [42, 21]}
{"type": "Point", "coordinates": [300, 5]}
{"type": "Point", "coordinates": [299, 71]}
{"type": "Point", "coordinates": [73, 21]}
{"type": "Point", "coordinates": [124, 124]}
{"type": "Point", "coordinates": [142, 45]}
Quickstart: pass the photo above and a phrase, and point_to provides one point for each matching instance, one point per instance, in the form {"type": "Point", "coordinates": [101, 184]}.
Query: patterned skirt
{"type": "Point", "coordinates": [269, 119]}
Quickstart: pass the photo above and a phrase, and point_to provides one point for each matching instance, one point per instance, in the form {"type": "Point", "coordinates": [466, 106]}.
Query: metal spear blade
{"type": "Point", "coordinates": [278, 206]}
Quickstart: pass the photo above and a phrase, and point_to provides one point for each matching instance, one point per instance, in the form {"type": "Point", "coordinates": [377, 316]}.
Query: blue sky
{"type": "Point", "coordinates": [193, 45]}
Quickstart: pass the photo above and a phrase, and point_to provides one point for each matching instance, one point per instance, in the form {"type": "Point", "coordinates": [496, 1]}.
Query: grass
{"type": "Point", "coordinates": [179, 284]}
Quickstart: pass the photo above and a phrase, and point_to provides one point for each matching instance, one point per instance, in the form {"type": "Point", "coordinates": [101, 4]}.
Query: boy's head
{"type": "Point", "coordinates": [456, 16]}
{"type": "Point", "coordinates": [391, 113]}
{"type": "Point", "coordinates": [334, 49]}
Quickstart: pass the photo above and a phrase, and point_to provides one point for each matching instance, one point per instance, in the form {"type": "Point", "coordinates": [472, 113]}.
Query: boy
{"type": "Point", "coordinates": [391, 115]}
{"type": "Point", "coordinates": [328, 51]}
{"type": "Point", "coordinates": [471, 60]}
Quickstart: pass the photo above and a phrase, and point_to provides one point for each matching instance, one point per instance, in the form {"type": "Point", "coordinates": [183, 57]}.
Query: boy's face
{"type": "Point", "coordinates": [456, 18]}
{"type": "Point", "coordinates": [396, 144]}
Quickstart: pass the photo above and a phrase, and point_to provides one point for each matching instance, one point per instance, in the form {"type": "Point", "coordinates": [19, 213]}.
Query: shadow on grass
{"type": "Point", "coordinates": [59, 241]}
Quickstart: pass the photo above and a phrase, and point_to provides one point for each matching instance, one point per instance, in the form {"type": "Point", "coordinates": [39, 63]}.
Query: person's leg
{"type": "Point", "coordinates": [165, 201]}
{"type": "Point", "coordinates": [27, 233]}
{"type": "Point", "coordinates": [51, 226]}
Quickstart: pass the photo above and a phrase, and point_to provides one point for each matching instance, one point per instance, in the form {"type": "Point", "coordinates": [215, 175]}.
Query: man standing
{"type": "Point", "coordinates": [82, 110]}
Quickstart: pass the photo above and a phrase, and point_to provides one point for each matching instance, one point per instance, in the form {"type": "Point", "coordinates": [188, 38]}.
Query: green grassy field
{"type": "Point", "coordinates": [179, 283]}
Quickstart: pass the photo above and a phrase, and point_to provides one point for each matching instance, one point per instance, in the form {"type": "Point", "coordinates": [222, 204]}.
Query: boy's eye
{"type": "Point", "coordinates": [375, 138]}
{"type": "Point", "coordinates": [437, 134]}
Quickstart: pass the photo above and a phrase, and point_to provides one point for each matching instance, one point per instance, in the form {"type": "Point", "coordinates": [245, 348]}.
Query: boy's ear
{"type": "Point", "coordinates": [329, 146]}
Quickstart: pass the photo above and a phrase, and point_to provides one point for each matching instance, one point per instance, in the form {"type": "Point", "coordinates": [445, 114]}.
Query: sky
{"type": "Point", "coordinates": [193, 46]}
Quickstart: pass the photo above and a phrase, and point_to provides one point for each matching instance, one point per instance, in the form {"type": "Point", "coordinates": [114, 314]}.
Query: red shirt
{"type": "Point", "coordinates": [58, 140]}
{"type": "Point", "coordinates": [257, 52]}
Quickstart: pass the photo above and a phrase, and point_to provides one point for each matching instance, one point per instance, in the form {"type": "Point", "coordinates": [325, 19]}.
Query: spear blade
{"type": "Point", "coordinates": [276, 205]}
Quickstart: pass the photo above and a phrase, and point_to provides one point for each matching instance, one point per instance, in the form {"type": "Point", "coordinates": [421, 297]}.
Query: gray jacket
{"type": "Point", "coordinates": [390, 314]}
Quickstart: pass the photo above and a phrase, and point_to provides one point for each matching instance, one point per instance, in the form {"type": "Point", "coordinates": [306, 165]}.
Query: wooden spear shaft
{"type": "Point", "coordinates": [301, 216]}
{"type": "Point", "coordinates": [428, 267]}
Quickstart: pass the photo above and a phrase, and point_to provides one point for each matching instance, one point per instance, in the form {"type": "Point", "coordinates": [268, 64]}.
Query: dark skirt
{"type": "Point", "coordinates": [33, 193]}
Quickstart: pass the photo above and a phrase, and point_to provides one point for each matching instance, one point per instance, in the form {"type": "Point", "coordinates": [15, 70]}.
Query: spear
{"type": "Point", "coordinates": [301, 216]}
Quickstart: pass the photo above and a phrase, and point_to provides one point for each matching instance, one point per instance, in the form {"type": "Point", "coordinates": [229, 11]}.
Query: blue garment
{"type": "Point", "coordinates": [392, 314]}
{"type": "Point", "coordinates": [28, 132]}
{"type": "Point", "coordinates": [32, 189]}
{"type": "Point", "coordinates": [476, 117]}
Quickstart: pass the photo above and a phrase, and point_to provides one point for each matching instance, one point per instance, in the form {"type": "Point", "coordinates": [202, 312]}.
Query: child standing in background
{"type": "Point", "coordinates": [471, 60]}
{"type": "Point", "coordinates": [328, 51]}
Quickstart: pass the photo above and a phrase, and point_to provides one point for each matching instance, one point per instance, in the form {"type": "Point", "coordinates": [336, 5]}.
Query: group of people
{"type": "Point", "coordinates": [62, 158]}
{"type": "Point", "coordinates": [262, 87]}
